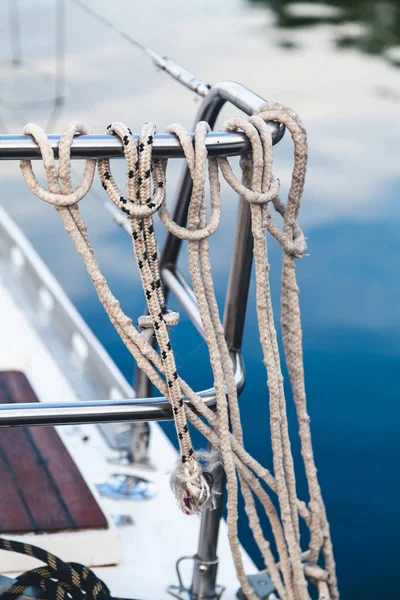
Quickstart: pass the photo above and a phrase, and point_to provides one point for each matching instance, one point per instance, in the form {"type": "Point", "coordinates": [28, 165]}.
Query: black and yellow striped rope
{"type": "Point", "coordinates": [57, 580]}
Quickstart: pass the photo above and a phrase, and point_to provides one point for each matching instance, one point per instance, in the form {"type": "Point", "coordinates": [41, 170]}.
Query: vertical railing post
{"type": "Point", "coordinates": [205, 567]}
{"type": "Point", "coordinates": [204, 581]}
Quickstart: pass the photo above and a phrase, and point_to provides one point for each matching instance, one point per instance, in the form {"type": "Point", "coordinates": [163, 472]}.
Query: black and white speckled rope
{"type": "Point", "coordinates": [190, 484]}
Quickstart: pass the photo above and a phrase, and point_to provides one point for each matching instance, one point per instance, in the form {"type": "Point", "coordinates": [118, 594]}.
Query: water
{"type": "Point", "coordinates": [336, 64]}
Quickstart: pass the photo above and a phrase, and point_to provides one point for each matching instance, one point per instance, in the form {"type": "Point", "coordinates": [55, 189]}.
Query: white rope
{"type": "Point", "coordinates": [192, 479]}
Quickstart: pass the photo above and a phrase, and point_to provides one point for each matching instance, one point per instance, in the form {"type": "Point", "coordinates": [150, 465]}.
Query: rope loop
{"type": "Point", "coordinates": [264, 185]}
{"type": "Point", "coordinates": [261, 160]}
{"type": "Point", "coordinates": [286, 116]}
{"type": "Point", "coordinates": [196, 157]}
{"type": "Point", "coordinates": [57, 195]}
{"type": "Point", "coordinates": [130, 204]}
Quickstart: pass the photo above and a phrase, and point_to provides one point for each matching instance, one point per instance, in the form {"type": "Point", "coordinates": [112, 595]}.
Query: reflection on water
{"type": "Point", "coordinates": [350, 283]}
{"type": "Point", "coordinates": [370, 26]}
{"type": "Point", "coordinates": [24, 84]}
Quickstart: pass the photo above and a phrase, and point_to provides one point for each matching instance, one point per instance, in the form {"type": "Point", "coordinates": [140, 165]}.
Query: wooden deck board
{"type": "Point", "coordinates": [41, 489]}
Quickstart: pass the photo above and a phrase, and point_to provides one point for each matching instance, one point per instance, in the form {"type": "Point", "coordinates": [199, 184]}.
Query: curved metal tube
{"type": "Point", "coordinates": [104, 411]}
{"type": "Point", "coordinates": [242, 98]}
{"type": "Point", "coordinates": [220, 93]}
{"type": "Point", "coordinates": [20, 147]}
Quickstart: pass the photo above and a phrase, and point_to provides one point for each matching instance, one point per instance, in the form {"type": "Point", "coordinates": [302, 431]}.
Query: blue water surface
{"type": "Point", "coordinates": [337, 65]}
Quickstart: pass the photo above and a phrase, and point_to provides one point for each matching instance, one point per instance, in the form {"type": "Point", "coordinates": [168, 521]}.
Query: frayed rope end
{"type": "Point", "coordinates": [193, 483]}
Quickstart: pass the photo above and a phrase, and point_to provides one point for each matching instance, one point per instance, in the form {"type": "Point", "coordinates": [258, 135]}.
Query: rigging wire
{"type": "Point", "coordinates": [176, 71]}
{"type": "Point", "coordinates": [109, 24]}
{"type": "Point", "coordinates": [163, 62]}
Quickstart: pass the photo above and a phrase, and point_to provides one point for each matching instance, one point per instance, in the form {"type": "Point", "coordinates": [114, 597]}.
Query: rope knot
{"type": "Point", "coordinates": [196, 157]}
{"type": "Point", "coordinates": [315, 572]}
{"type": "Point", "coordinates": [263, 185]}
{"type": "Point", "coordinates": [297, 246]}
{"type": "Point", "coordinates": [292, 242]}
{"type": "Point", "coordinates": [170, 317]}
{"type": "Point", "coordinates": [192, 487]}
{"type": "Point", "coordinates": [147, 326]}
{"type": "Point", "coordinates": [64, 194]}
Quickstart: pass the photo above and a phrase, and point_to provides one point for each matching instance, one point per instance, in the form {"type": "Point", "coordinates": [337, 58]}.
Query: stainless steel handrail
{"type": "Point", "coordinates": [240, 97]}
{"type": "Point", "coordinates": [19, 147]}
{"type": "Point", "coordinates": [147, 408]}
{"type": "Point", "coordinates": [104, 411]}
{"type": "Point", "coordinates": [165, 145]}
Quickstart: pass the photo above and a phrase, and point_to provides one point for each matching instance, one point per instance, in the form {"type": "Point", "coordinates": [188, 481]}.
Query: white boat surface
{"type": "Point", "coordinates": [44, 337]}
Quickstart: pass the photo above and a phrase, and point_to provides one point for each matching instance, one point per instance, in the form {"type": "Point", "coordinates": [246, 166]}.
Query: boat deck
{"type": "Point", "coordinates": [135, 561]}
{"type": "Point", "coordinates": [42, 489]}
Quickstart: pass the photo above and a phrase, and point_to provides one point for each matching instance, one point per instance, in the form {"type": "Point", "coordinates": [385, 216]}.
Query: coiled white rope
{"type": "Point", "coordinates": [145, 195]}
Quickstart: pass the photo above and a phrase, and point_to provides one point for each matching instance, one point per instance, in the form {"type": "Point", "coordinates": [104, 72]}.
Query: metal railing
{"type": "Point", "coordinates": [165, 145]}
{"type": "Point", "coordinates": [144, 407]}
{"type": "Point", "coordinates": [104, 411]}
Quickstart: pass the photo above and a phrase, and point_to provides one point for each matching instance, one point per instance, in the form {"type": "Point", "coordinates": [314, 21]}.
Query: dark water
{"type": "Point", "coordinates": [336, 64]}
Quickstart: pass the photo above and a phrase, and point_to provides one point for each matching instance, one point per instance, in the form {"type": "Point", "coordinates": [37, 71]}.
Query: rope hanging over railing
{"type": "Point", "coordinates": [192, 479]}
